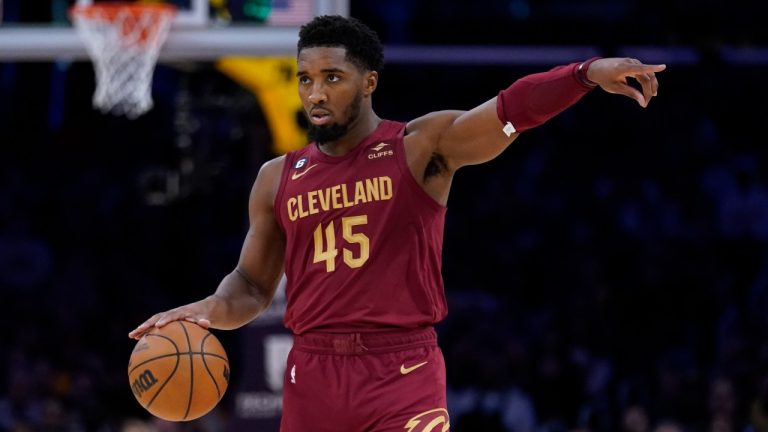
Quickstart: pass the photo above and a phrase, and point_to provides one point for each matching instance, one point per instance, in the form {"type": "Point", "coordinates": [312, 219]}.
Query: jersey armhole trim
{"type": "Point", "coordinates": [402, 163]}
{"type": "Point", "coordinates": [287, 163]}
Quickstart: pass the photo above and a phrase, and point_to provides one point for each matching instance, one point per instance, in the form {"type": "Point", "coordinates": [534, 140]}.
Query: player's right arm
{"type": "Point", "coordinates": [248, 290]}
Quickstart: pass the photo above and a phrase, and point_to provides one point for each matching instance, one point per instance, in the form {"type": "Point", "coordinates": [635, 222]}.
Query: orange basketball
{"type": "Point", "coordinates": [178, 372]}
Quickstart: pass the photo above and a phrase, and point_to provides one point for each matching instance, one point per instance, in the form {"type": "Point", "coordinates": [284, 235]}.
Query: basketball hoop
{"type": "Point", "coordinates": [123, 41]}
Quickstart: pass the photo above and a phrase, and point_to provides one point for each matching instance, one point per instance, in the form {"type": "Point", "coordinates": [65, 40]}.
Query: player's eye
{"type": "Point", "coordinates": [333, 78]}
{"type": "Point", "coordinates": [303, 79]}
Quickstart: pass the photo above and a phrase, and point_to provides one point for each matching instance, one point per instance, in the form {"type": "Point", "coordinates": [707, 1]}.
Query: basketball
{"type": "Point", "coordinates": [178, 372]}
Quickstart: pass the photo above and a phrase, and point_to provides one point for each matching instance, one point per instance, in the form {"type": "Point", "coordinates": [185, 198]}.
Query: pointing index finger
{"type": "Point", "coordinates": [645, 68]}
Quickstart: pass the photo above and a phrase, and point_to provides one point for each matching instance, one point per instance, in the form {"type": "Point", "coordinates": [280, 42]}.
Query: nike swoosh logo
{"type": "Point", "coordinates": [406, 370]}
{"type": "Point", "coordinates": [299, 174]}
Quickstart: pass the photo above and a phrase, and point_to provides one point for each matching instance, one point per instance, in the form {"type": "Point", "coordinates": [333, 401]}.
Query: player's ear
{"type": "Point", "coordinates": [371, 81]}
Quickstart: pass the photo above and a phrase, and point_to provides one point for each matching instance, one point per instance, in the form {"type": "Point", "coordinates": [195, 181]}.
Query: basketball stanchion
{"type": "Point", "coordinates": [123, 40]}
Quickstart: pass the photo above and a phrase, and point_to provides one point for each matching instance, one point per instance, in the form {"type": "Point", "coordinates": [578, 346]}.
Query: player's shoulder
{"type": "Point", "coordinates": [267, 182]}
{"type": "Point", "coordinates": [272, 167]}
{"type": "Point", "coordinates": [277, 161]}
{"type": "Point", "coordinates": [435, 118]}
{"type": "Point", "coordinates": [435, 121]}
{"type": "Point", "coordinates": [269, 173]}
{"type": "Point", "coordinates": [429, 126]}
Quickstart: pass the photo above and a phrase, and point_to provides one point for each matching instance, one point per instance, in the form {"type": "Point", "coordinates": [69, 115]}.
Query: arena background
{"type": "Point", "coordinates": [608, 272]}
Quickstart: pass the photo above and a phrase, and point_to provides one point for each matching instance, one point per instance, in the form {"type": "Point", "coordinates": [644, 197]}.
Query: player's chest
{"type": "Point", "coordinates": [319, 191]}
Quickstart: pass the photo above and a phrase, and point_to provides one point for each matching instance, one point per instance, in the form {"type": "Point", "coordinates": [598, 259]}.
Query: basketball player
{"type": "Point", "coordinates": [355, 220]}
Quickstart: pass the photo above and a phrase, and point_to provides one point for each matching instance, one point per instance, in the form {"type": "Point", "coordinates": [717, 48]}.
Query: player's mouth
{"type": "Point", "coordinates": [319, 117]}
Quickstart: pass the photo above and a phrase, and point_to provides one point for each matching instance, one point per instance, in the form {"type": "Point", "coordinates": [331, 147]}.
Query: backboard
{"type": "Point", "coordinates": [191, 13]}
{"type": "Point", "coordinates": [202, 30]}
{"type": "Point", "coordinates": [201, 13]}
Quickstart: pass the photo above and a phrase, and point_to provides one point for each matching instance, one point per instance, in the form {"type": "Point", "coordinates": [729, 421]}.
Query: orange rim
{"type": "Point", "coordinates": [111, 9]}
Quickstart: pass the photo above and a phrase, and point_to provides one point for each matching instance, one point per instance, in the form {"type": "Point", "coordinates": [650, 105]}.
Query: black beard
{"type": "Point", "coordinates": [325, 134]}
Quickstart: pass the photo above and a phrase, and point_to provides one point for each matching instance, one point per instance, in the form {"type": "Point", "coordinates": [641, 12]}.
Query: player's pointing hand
{"type": "Point", "coordinates": [611, 74]}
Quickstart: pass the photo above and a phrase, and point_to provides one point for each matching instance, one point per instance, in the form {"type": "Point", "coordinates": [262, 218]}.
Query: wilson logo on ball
{"type": "Point", "coordinates": [143, 383]}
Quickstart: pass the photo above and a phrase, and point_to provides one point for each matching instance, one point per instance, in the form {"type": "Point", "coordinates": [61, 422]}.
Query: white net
{"type": "Point", "coordinates": [124, 42]}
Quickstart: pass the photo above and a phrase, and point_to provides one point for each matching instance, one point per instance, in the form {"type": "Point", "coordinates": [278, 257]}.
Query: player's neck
{"type": "Point", "coordinates": [361, 128]}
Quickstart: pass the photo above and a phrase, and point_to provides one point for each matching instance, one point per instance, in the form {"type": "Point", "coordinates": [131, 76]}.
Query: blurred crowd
{"type": "Point", "coordinates": [607, 273]}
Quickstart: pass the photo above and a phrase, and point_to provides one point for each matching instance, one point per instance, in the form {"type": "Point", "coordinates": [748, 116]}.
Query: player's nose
{"type": "Point", "coordinates": [317, 96]}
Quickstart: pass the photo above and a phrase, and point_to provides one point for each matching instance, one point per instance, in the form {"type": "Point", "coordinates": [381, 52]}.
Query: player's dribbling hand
{"type": "Point", "coordinates": [611, 74]}
{"type": "Point", "coordinates": [193, 313]}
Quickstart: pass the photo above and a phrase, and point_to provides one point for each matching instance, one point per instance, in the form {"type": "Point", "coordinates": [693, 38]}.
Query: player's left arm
{"type": "Point", "coordinates": [480, 134]}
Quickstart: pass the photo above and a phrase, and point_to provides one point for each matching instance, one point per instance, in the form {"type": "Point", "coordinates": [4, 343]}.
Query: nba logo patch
{"type": "Point", "coordinates": [300, 163]}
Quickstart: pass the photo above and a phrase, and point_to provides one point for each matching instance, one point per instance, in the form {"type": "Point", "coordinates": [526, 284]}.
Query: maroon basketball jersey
{"type": "Point", "coordinates": [363, 239]}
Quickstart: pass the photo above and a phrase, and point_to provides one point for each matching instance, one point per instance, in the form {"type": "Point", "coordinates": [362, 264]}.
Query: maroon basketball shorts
{"type": "Point", "coordinates": [365, 382]}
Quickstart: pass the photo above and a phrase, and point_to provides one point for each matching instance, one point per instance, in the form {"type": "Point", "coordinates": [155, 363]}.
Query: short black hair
{"type": "Point", "coordinates": [363, 46]}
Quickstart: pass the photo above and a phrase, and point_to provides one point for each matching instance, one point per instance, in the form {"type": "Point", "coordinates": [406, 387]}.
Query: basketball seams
{"type": "Point", "coordinates": [163, 356]}
{"type": "Point", "coordinates": [167, 380]}
{"type": "Point", "coordinates": [130, 371]}
{"type": "Point", "coordinates": [191, 369]}
{"type": "Point", "coordinates": [175, 408]}
{"type": "Point", "coordinates": [205, 363]}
